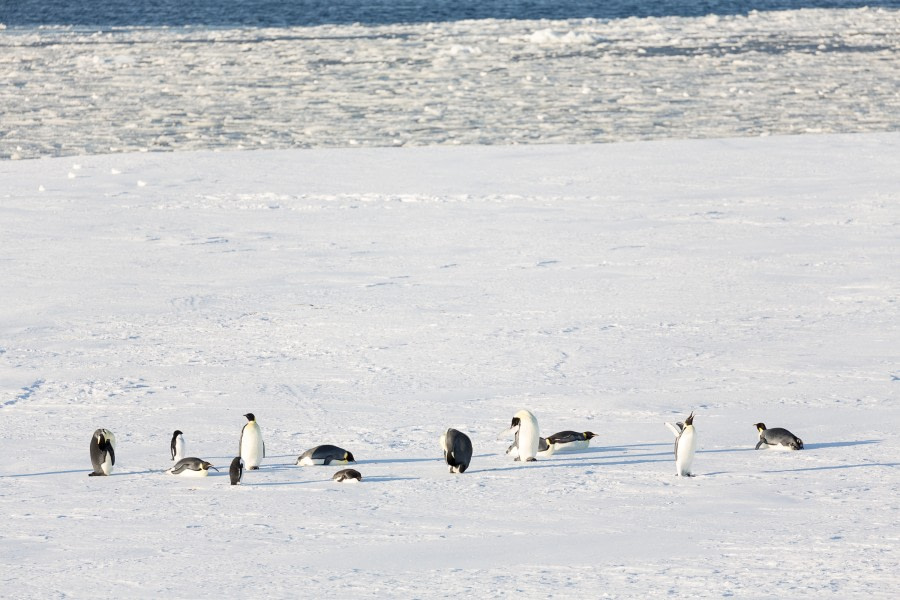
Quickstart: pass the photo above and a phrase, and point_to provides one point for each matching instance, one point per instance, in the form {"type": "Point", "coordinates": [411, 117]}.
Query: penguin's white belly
{"type": "Point", "coordinates": [307, 461]}
{"type": "Point", "coordinates": [528, 440]}
{"type": "Point", "coordinates": [179, 449]}
{"type": "Point", "coordinates": [252, 446]}
{"type": "Point", "coordinates": [107, 465]}
{"type": "Point", "coordinates": [190, 473]}
{"type": "Point", "coordinates": [687, 446]}
{"type": "Point", "coordinates": [573, 446]}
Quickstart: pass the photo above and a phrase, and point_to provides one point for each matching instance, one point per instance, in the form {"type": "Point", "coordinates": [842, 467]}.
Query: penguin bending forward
{"type": "Point", "coordinates": [525, 425]}
{"type": "Point", "coordinates": [191, 467]}
{"type": "Point", "coordinates": [685, 447]}
{"type": "Point", "coordinates": [777, 437]}
{"type": "Point", "coordinates": [177, 445]}
{"type": "Point", "coordinates": [457, 450]}
{"type": "Point", "coordinates": [103, 452]}
{"type": "Point", "coordinates": [251, 447]}
{"type": "Point", "coordinates": [324, 455]}
{"type": "Point", "coordinates": [236, 470]}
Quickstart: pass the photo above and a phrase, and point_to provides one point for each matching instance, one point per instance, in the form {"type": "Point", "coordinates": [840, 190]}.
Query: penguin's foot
{"type": "Point", "coordinates": [92, 474]}
{"type": "Point", "coordinates": [254, 468]}
{"type": "Point", "coordinates": [532, 459]}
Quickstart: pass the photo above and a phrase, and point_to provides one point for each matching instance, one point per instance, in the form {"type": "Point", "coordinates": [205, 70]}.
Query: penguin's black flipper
{"type": "Point", "coordinates": [760, 443]}
{"type": "Point", "coordinates": [112, 452]}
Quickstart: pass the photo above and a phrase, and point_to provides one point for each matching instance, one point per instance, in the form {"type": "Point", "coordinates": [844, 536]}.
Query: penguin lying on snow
{"type": "Point", "coordinates": [324, 455]}
{"type": "Point", "coordinates": [103, 452]}
{"type": "Point", "coordinates": [251, 447]}
{"type": "Point", "coordinates": [570, 441]}
{"type": "Point", "coordinates": [348, 475]}
{"type": "Point", "coordinates": [177, 446]}
{"type": "Point", "coordinates": [191, 467]}
{"type": "Point", "coordinates": [525, 426]}
{"type": "Point", "coordinates": [685, 446]}
{"type": "Point", "coordinates": [777, 437]}
{"type": "Point", "coordinates": [457, 450]}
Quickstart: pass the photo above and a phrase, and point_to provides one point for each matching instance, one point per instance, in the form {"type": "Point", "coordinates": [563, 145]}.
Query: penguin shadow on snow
{"type": "Point", "coordinates": [822, 445]}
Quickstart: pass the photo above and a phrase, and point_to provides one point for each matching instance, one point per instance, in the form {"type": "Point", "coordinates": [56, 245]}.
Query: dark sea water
{"type": "Point", "coordinates": [281, 13]}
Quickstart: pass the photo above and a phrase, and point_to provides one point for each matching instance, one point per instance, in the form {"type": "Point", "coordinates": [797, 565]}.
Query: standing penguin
{"type": "Point", "coordinates": [103, 452]}
{"type": "Point", "coordinates": [528, 435]}
{"type": "Point", "coordinates": [177, 445]}
{"type": "Point", "coordinates": [236, 470]}
{"type": "Point", "coordinates": [685, 447]}
{"type": "Point", "coordinates": [251, 448]}
{"type": "Point", "coordinates": [457, 450]}
{"type": "Point", "coordinates": [777, 437]}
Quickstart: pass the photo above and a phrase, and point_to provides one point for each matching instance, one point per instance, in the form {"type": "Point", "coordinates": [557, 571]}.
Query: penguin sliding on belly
{"type": "Point", "coordinates": [177, 446]}
{"type": "Point", "coordinates": [685, 447]}
{"type": "Point", "coordinates": [570, 441]}
{"type": "Point", "coordinates": [457, 449]}
{"type": "Point", "coordinates": [777, 438]}
{"type": "Point", "coordinates": [251, 448]}
{"type": "Point", "coordinates": [103, 452]}
{"type": "Point", "coordinates": [191, 467]}
{"type": "Point", "coordinates": [324, 455]}
{"type": "Point", "coordinates": [525, 426]}
{"type": "Point", "coordinates": [347, 475]}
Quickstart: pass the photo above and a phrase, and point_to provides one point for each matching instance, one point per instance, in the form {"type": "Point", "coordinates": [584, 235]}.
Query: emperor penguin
{"type": "Point", "coordinates": [191, 467]}
{"type": "Point", "coordinates": [103, 452]}
{"type": "Point", "coordinates": [324, 455]}
{"type": "Point", "coordinates": [571, 441]}
{"type": "Point", "coordinates": [348, 475]}
{"type": "Point", "coordinates": [545, 448]}
{"type": "Point", "coordinates": [177, 445]}
{"type": "Point", "coordinates": [251, 448]}
{"type": "Point", "coordinates": [778, 438]}
{"type": "Point", "coordinates": [685, 447]}
{"type": "Point", "coordinates": [457, 450]}
{"type": "Point", "coordinates": [527, 435]}
{"type": "Point", "coordinates": [236, 470]}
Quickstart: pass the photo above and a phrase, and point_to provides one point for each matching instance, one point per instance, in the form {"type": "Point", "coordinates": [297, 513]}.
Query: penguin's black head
{"type": "Point", "coordinates": [250, 417]}
{"type": "Point", "coordinates": [689, 420]}
{"type": "Point", "coordinates": [349, 457]}
{"type": "Point", "coordinates": [177, 433]}
{"type": "Point", "coordinates": [760, 426]}
{"type": "Point", "coordinates": [588, 435]}
{"type": "Point", "coordinates": [515, 422]}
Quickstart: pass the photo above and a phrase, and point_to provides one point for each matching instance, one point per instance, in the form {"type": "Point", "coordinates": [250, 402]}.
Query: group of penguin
{"type": "Point", "coordinates": [457, 447]}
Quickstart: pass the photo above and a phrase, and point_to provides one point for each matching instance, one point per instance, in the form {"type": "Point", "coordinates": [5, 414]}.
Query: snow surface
{"type": "Point", "coordinates": [371, 298]}
{"type": "Point", "coordinates": [94, 90]}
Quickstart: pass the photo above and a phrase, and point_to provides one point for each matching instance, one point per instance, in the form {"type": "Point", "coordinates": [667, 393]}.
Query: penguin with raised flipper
{"type": "Point", "coordinates": [236, 470]}
{"type": "Point", "coordinates": [777, 437]}
{"type": "Point", "coordinates": [103, 452]}
{"type": "Point", "coordinates": [176, 447]}
{"type": "Point", "coordinates": [457, 449]}
{"type": "Point", "coordinates": [251, 448]}
{"type": "Point", "coordinates": [685, 448]}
